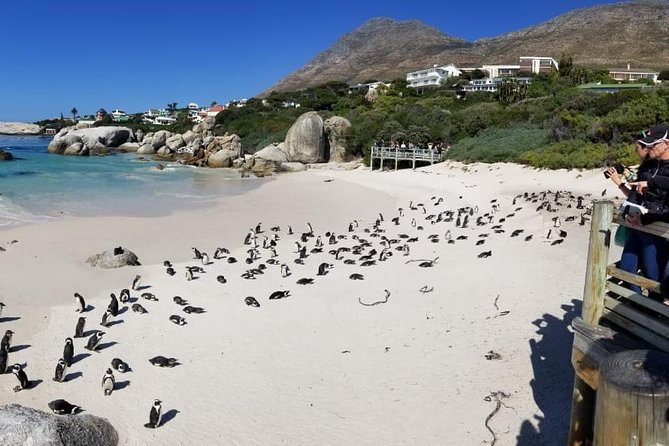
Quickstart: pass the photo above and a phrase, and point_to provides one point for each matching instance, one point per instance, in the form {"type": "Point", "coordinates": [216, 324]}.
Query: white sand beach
{"type": "Point", "coordinates": [317, 367]}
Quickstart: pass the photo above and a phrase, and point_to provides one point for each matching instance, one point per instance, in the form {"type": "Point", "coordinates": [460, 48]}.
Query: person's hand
{"type": "Point", "coordinates": [614, 175]}
{"type": "Point", "coordinates": [633, 219]}
{"type": "Point", "coordinates": [641, 186]}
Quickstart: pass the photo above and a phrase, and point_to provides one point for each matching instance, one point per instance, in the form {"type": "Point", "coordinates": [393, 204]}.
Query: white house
{"type": "Point", "coordinates": [632, 74]}
{"type": "Point", "coordinates": [432, 77]}
{"type": "Point", "coordinates": [538, 64]}
{"type": "Point", "coordinates": [490, 84]}
{"type": "Point", "coordinates": [500, 70]}
{"type": "Point", "coordinates": [193, 106]}
{"type": "Point", "coordinates": [369, 86]}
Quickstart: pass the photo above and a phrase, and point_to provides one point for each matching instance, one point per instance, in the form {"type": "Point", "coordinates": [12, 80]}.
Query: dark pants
{"type": "Point", "coordinates": [646, 252]}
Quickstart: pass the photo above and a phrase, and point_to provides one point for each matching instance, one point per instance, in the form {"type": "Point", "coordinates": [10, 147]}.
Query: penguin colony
{"type": "Point", "coordinates": [270, 256]}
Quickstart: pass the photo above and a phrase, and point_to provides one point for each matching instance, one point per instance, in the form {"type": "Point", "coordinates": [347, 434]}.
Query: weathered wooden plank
{"type": "Point", "coordinates": [585, 367]}
{"type": "Point", "coordinates": [636, 329]}
{"type": "Point", "coordinates": [647, 321]}
{"type": "Point", "coordinates": [582, 408]}
{"type": "Point", "coordinates": [639, 299]}
{"type": "Point", "coordinates": [635, 279]}
{"type": "Point", "coordinates": [658, 228]}
{"type": "Point", "coordinates": [598, 254]}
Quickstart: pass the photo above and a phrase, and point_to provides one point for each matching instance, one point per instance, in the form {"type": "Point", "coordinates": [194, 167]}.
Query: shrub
{"type": "Point", "coordinates": [577, 154]}
{"type": "Point", "coordinates": [495, 144]}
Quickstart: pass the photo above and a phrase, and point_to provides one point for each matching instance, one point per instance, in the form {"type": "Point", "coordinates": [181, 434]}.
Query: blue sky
{"type": "Point", "coordinates": [136, 54]}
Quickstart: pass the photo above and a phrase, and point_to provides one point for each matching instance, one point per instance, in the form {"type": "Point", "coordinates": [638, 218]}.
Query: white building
{"type": "Point", "coordinates": [536, 64]}
{"type": "Point", "coordinates": [369, 86]}
{"type": "Point", "coordinates": [431, 77]}
{"type": "Point", "coordinates": [500, 70]}
{"type": "Point", "coordinates": [491, 85]}
{"type": "Point", "coordinates": [193, 106]}
{"type": "Point", "coordinates": [632, 74]}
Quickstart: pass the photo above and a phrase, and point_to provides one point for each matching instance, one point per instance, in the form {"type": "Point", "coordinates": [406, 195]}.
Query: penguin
{"type": "Point", "coordinates": [247, 239]}
{"type": "Point", "coordinates": [108, 382]}
{"type": "Point", "coordinates": [94, 341]}
{"type": "Point", "coordinates": [189, 274]}
{"type": "Point", "coordinates": [79, 329]}
{"type": "Point", "coordinates": [124, 297]}
{"type": "Point", "coordinates": [279, 294]}
{"type": "Point", "coordinates": [81, 303]}
{"type": "Point", "coordinates": [106, 318]}
{"type": "Point", "coordinates": [1, 307]}
{"type": "Point", "coordinates": [258, 228]}
{"type": "Point", "coordinates": [413, 223]}
{"type": "Point", "coordinates": [556, 222]}
{"type": "Point", "coordinates": [305, 281]}
{"type": "Point", "coordinates": [485, 254]}
{"type": "Point", "coordinates": [285, 271]}
{"type": "Point", "coordinates": [356, 276]}
{"type": "Point", "coordinates": [135, 282]}
{"type": "Point", "coordinates": [205, 259]}
{"type": "Point", "coordinates": [170, 271]}
{"type": "Point", "coordinates": [401, 212]}
{"type": "Point", "coordinates": [24, 383]}
{"type": "Point", "coordinates": [167, 264]}
{"type": "Point", "coordinates": [6, 341]}
{"type": "Point", "coordinates": [137, 308]}
{"type": "Point", "coordinates": [155, 415]}
{"type": "Point", "coordinates": [149, 296]}
{"type": "Point", "coordinates": [119, 365]}
{"type": "Point", "coordinates": [62, 407]}
{"type": "Point", "coordinates": [290, 230]}
{"type": "Point", "coordinates": [3, 361]}
{"type": "Point", "coordinates": [323, 268]}
{"type": "Point", "coordinates": [196, 253]}
{"type": "Point", "coordinates": [177, 319]}
{"type": "Point", "coordinates": [350, 227]}
{"type": "Point", "coordinates": [61, 370]}
{"type": "Point", "coordinates": [251, 302]}
{"type": "Point", "coordinates": [179, 300]}
{"type": "Point", "coordinates": [113, 305]}
{"type": "Point", "coordinates": [311, 230]}
{"type": "Point", "coordinates": [68, 352]}
{"type": "Point", "coordinates": [161, 361]}
{"type": "Point", "coordinates": [197, 310]}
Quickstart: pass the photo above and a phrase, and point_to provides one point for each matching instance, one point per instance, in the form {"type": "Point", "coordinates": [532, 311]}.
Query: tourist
{"type": "Point", "coordinates": [653, 187]}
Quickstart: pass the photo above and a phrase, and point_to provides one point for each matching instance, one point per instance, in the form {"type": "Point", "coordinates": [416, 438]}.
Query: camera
{"type": "Point", "coordinates": [619, 168]}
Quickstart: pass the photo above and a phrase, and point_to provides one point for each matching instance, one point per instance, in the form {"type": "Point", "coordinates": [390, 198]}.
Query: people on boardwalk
{"type": "Point", "coordinates": [645, 251]}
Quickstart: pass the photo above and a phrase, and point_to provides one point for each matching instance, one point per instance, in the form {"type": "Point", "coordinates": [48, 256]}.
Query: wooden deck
{"type": "Point", "coordinates": [398, 154]}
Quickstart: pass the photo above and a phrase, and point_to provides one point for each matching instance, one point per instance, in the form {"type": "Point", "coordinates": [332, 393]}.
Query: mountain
{"type": "Point", "coordinates": [611, 35]}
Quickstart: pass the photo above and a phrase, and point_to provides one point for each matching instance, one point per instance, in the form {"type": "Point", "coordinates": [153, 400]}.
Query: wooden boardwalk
{"type": "Point", "coordinates": [398, 154]}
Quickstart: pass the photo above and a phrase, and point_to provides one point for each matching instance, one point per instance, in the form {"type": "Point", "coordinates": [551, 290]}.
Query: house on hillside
{"type": "Point", "coordinates": [491, 85]}
{"type": "Point", "coordinates": [119, 116]}
{"type": "Point", "coordinates": [598, 87]}
{"type": "Point", "coordinates": [431, 77]}
{"type": "Point", "coordinates": [538, 65]}
{"type": "Point", "coordinates": [494, 71]}
{"type": "Point", "coordinates": [368, 86]}
{"type": "Point", "coordinates": [100, 114]}
{"type": "Point", "coordinates": [633, 74]}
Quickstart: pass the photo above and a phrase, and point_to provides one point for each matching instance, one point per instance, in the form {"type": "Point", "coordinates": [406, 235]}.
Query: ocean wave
{"type": "Point", "coordinates": [12, 214]}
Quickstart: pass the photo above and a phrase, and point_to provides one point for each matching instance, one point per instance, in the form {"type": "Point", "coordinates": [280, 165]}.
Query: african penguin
{"type": "Point", "coordinates": [68, 352]}
{"type": "Point", "coordinates": [81, 303]}
{"type": "Point", "coordinates": [135, 282]}
{"type": "Point", "coordinates": [61, 370]}
{"type": "Point", "coordinates": [155, 415]}
{"type": "Point", "coordinates": [79, 329]}
{"type": "Point", "coordinates": [125, 295]}
{"type": "Point", "coordinates": [161, 361]}
{"type": "Point", "coordinates": [62, 407]}
{"type": "Point", "coordinates": [94, 341]}
{"type": "Point", "coordinates": [279, 294]}
{"type": "Point", "coordinates": [177, 319]}
{"type": "Point", "coordinates": [6, 341]}
{"type": "Point", "coordinates": [108, 382]}
{"type": "Point", "coordinates": [118, 364]}
{"type": "Point", "coordinates": [24, 383]}
{"type": "Point", "coordinates": [113, 305]}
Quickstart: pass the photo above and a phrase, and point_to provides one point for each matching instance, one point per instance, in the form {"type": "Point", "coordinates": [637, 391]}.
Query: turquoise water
{"type": "Point", "coordinates": [39, 186]}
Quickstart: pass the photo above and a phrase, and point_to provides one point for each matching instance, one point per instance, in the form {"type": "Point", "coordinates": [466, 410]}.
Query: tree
{"type": "Point", "coordinates": [664, 75]}
{"type": "Point", "coordinates": [172, 107]}
{"type": "Point", "coordinates": [214, 103]}
{"type": "Point", "coordinates": [74, 112]}
{"type": "Point", "coordinates": [565, 65]}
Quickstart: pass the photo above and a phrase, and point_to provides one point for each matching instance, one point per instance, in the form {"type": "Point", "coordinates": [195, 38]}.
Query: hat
{"type": "Point", "coordinates": [655, 134]}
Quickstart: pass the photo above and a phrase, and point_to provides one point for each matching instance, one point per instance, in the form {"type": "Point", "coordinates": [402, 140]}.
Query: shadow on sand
{"type": "Point", "coordinates": [553, 379]}
{"type": "Point", "coordinates": [168, 416]}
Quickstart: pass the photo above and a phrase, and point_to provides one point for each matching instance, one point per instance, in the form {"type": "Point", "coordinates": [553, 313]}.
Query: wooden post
{"type": "Point", "coordinates": [598, 257]}
{"type": "Point", "coordinates": [431, 157]}
{"type": "Point", "coordinates": [413, 160]}
{"type": "Point", "coordinates": [582, 406]}
{"type": "Point", "coordinates": [632, 399]}
{"type": "Point", "coordinates": [395, 159]}
{"type": "Point", "coordinates": [381, 168]}
{"type": "Point", "coordinates": [371, 160]}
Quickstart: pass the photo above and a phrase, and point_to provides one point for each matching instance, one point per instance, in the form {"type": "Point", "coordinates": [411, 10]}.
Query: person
{"type": "Point", "coordinates": [639, 250]}
{"type": "Point", "coordinates": [654, 188]}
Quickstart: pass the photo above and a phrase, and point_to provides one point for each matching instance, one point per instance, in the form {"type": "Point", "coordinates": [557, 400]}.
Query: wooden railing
{"type": "Point", "coordinates": [399, 154]}
{"type": "Point", "coordinates": [619, 355]}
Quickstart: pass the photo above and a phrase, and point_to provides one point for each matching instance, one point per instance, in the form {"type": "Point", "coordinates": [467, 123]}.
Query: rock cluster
{"type": "Point", "coordinates": [19, 128]}
{"type": "Point", "coordinates": [95, 140]}
{"type": "Point", "coordinates": [23, 425]}
{"type": "Point", "coordinates": [5, 155]}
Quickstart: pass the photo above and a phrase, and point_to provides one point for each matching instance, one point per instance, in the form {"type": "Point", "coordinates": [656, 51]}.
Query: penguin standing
{"type": "Point", "coordinates": [189, 274]}
{"type": "Point", "coordinates": [6, 341]}
{"type": "Point", "coordinates": [108, 382]}
{"type": "Point", "coordinates": [196, 253]}
{"type": "Point", "coordinates": [21, 376]}
{"type": "Point", "coordinates": [205, 259]}
{"type": "Point", "coordinates": [79, 329]}
{"type": "Point", "coordinates": [3, 361]}
{"type": "Point", "coordinates": [135, 282]}
{"type": "Point", "coordinates": [94, 340]}
{"type": "Point", "coordinates": [106, 318]}
{"type": "Point", "coordinates": [61, 370]}
{"type": "Point", "coordinates": [81, 303]}
{"type": "Point", "coordinates": [290, 230]}
{"type": "Point", "coordinates": [124, 297]}
{"type": "Point", "coordinates": [285, 271]}
{"type": "Point", "coordinates": [68, 352]}
{"type": "Point", "coordinates": [155, 416]}
{"type": "Point", "coordinates": [113, 305]}
{"type": "Point", "coordinates": [1, 307]}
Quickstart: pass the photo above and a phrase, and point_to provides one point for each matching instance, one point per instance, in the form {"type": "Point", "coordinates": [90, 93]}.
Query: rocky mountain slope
{"type": "Point", "coordinates": [383, 48]}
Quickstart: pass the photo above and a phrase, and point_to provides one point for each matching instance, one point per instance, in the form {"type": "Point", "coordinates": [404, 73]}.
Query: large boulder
{"type": "Point", "coordinates": [262, 167]}
{"type": "Point", "coordinates": [62, 141]}
{"type": "Point", "coordinates": [159, 138]}
{"type": "Point", "coordinates": [175, 142]}
{"type": "Point", "coordinates": [336, 130]}
{"type": "Point", "coordinates": [25, 426]}
{"type": "Point", "coordinates": [5, 155]}
{"type": "Point", "coordinates": [230, 142]}
{"type": "Point", "coordinates": [116, 258]}
{"type": "Point", "coordinates": [222, 158]}
{"type": "Point", "coordinates": [146, 149]}
{"type": "Point", "coordinates": [305, 141]}
{"type": "Point", "coordinates": [77, 149]}
{"type": "Point", "coordinates": [139, 135]}
{"type": "Point", "coordinates": [272, 152]}
{"type": "Point", "coordinates": [189, 136]}
{"type": "Point", "coordinates": [128, 147]}
{"type": "Point", "coordinates": [292, 167]}
{"type": "Point", "coordinates": [208, 124]}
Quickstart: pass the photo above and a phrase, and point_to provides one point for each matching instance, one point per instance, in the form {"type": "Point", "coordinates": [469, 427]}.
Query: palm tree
{"type": "Point", "coordinates": [172, 106]}
{"type": "Point", "coordinates": [74, 112]}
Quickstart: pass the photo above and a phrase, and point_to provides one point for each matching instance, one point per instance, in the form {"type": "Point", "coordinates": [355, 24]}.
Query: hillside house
{"type": "Point", "coordinates": [431, 77]}
{"type": "Point", "coordinates": [633, 74]}
{"type": "Point", "coordinates": [494, 71]}
{"type": "Point", "coordinates": [537, 65]}
{"type": "Point", "coordinates": [368, 86]}
{"type": "Point", "coordinates": [491, 85]}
